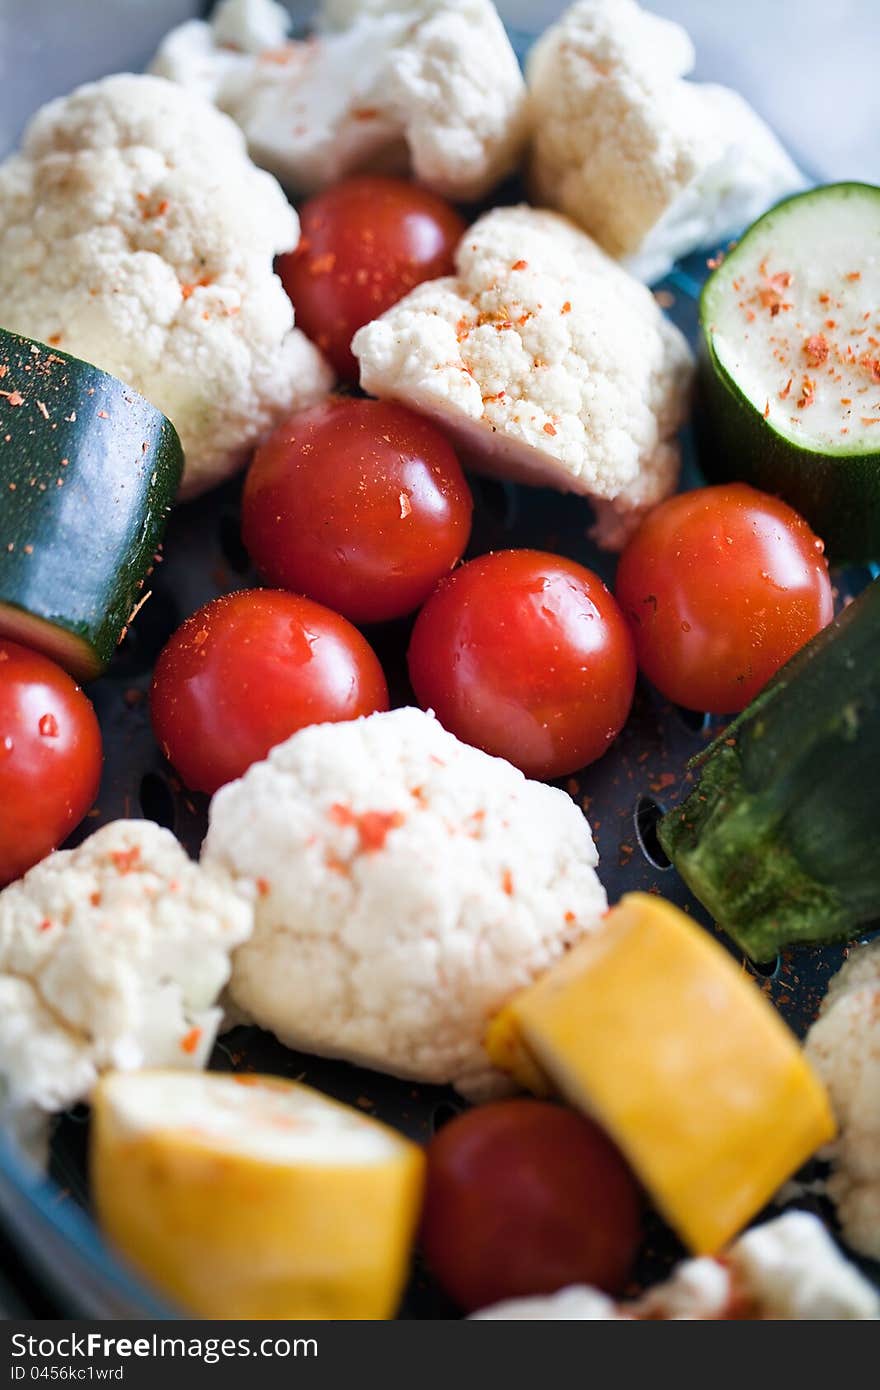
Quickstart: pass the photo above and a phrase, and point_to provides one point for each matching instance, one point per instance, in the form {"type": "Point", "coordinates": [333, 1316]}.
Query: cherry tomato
{"type": "Point", "coordinates": [523, 1198]}
{"type": "Point", "coordinates": [248, 670]}
{"type": "Point", "coordinates": [362, 505]}
{"type": "Point", "coordinates": [365, 244]}
{"type": "Point", "coordinates": [525, 655]}
{"type": "Point", "coordinates": [720, 587]}
{"type": "Point", "coordinates": [50, 758]}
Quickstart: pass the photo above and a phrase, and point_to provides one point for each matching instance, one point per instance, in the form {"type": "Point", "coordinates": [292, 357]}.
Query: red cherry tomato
{"type": "Point", "coordinates": [365, 244]}
{"type": "Point", "coordinates": [50, 758]}
{"type": "Point", "coordinates": [523, 1198]}
{"type": "Point", "coordinates": [248, 670]}
{"type": "Point", "coordinates": [362, 505]}
{"type": "Point", "coordinates": [525, 655]}
{"type": "Point", "coordinates": [720, 587]}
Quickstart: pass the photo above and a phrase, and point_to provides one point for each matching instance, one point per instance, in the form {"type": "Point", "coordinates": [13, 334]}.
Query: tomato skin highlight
{"type": "Point", "coordinates": [50, 758]}
{"type": "Point", "coordinates": [523, 1198]}
{"type": "Point", "coordinates": [248, 670]}
{"type": "Point", "coordinates": [365, 243]}
{"type": "Point", "coordinates": [720, 587]}
{"type": "Point", "coordinates": [525, 655]}
{"type": "Point", "coordinates": [359, 504]}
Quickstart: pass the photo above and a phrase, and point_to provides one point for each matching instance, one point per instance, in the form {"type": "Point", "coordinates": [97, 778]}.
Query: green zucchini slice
{"type": "Point", "coordinates": [88, 472]}
{"type": "Point", "coordinates": [790, 364]}
{"type": "Point", "coordinates": [780, 840]}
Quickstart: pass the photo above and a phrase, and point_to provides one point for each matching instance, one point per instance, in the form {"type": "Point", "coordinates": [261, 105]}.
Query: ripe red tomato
{"type": "Point", "coordinates": [248, 670]}
{"type": "Point", "coordinates": [523, 1198]}
{"type": "Point", "coordinates": [362, 505]}
{"type": "Point", "coordinates": [50, 758]}
{"type": "Point", "coordinates": [365, 243]}
{"type": "Point", "coordinates": [525, 655]}
{"type": "Point", "coordinates": [720, 587]}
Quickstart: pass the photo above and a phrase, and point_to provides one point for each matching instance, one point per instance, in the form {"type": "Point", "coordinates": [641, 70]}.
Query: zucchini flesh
{"type": "Point", "coordinates": [88, 472]}
{"type": "Point", "coordinates": [790, 363]}
{"type": "Point", "coordinates": [780, 840]}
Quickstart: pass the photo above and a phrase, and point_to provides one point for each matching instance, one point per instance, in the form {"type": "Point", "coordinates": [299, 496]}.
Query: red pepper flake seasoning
{"type": "Point", "coordinates": [48, 726]}
{"type": "Point", "coordinates": [871, 420]}
{"type": "Point", "coordinates": [570, 917]}
{"type": "Point", "coordinates": [95, 899]}
{"type": "Point", "coordinates": [264, 887]}
{"type": "Point", "coordinates": [767, 410]}
{"type": "Point", "coordinates": [3, 370]}
{"type": "Point", "coordinates": [405, 506]}
{"type": "Point", "coordinates": [507, 882]}
{"type": "Point", "coordinates": [808, 393]}
{"type": "Point", "coordinates": [566, 308]}
{"type": "Point", "coordinates": [816, 349]}
{"type": "Point", "coordinates": [549, 429]}
{"type": "Point", "coordinates": [783, 394]}
{"type": "Point", "coordinates": [190, 1042]}
{"type": "Point", "coordinates": [126, 859]}
{"type": "Point", "coordinates": [373, 827]}
{"type": "Point", "coordinates": [366, 113]}
{"type": "Point", "coordinates": [520, 265]}
{"type": "Point", "coordinates": [28, 550]}
{"type": "Point", "coordinates": [102, 415]}
{"type": "Point", "coordinates": [854, 275]}
{"type": "Point", "coordinates": [45, 925]}
{"type": "Point", "coordinates": [871, 364]}
{"type": "Point", "coordinates": [13, 398]}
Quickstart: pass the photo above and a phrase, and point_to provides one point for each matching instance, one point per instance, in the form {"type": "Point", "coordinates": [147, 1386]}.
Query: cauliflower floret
{"type": "Point", "coordinates": [112, 956]}
{"type": "Point", "coordinates": [547, 362]}
{"type": "Point", "coordinates": [788, 1269]}
{"type": "Point", "coordinates": [844, 1047]}
{"type": "Point", "coordinates": [407, 884]}
{"type": "Point", "coordinates": [651, 165]}
{"type": "Point", "coordinates": [136, 233]}
{"type": "Point", "coordinates": [391, 85]}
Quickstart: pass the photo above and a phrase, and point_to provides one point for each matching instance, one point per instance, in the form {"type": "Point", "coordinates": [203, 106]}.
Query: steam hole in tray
{"type": "Point", "coordinates": [443, 1113]}
{"type": "Point", "coordinates": [764, 969]}
{"type": "Point", "coordinates": [157, 800]}
{"type": "Point", "coordinates": [646, 816]}
{"type": "Point", "coordinates": [694, 720]}
{"type": "Point", "coordinates": [231, 543]}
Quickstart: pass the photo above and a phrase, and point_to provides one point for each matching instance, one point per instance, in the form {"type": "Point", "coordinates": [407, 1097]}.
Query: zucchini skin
{"type": "Point", "coordinates": [88, 472]}
{"type": "Point", "coordinates": [780, 840]}
{"type": "Point", "coordinates": [838, 494]}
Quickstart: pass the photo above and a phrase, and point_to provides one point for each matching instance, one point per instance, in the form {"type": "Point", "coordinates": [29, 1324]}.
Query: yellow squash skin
{"type": "Point", "coordinates": [228, 1235]}
{"type": "Point", "coordinates": [650, 1027]}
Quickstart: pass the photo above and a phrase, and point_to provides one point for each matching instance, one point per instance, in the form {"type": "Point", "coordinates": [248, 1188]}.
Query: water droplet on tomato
{"type": "Point", "coordinates": [6, 745]}
{"type": "Point", "coordinates": [48, 726]}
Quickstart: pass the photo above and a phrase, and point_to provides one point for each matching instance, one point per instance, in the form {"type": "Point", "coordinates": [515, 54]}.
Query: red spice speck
{"type": "Point", "coordinates": [190, 1042]}
{"type": "Point", "coordinates": [126, 859]}
{"type": "Point", "coordinates": [816, 349]}
{"type": "Point", "coordinates": [263, 887]}
{"type": "Point", "coordinates": [507, 882]}
{"type": "Point", "coordinates": [519, 265]}
{"type": "Point", "coordinates": [783, 394]}
{"type": "Point", "coordinates": [46, 924]}
{"type": "Point", "coordinates": [549, 429]}
{"type": "Point", "coordinates": [13, 397]}
{"type": "Point", "coordinates": [373, 827]}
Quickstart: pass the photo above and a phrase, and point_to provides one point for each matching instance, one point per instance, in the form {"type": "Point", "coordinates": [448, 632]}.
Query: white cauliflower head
{"type": "Point", "coordinates": [547, 362]}
{"type": "Point", "coordinates": [392, 85]}
{"type": "Point", "coordinates": [407, 884]}
{"type": "Point", "coordinates": [789, 1269]}
{"type": "Point", "coordinates": [136, 233]}
{"type": "Point", "coordinates": [844, 1047]}
{"type": "Point", "coordinates": [653, 166]}
{"type": "Point", "coordinates": [112, 956]}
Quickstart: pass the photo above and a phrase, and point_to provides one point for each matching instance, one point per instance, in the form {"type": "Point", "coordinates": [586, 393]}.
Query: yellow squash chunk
{"type": "Point", "coordinates": [254, 1197]}
{"type": "Point", "coordinates": [651, 1028]}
